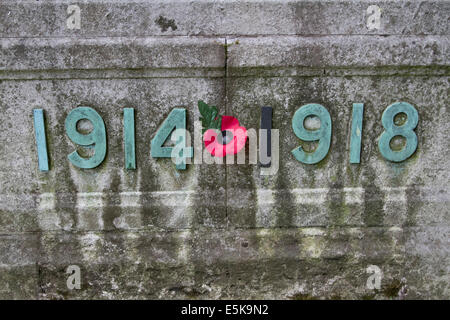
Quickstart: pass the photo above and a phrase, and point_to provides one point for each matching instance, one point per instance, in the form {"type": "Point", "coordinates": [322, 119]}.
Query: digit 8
{"type": "Point", "coordinates": [405, 130]}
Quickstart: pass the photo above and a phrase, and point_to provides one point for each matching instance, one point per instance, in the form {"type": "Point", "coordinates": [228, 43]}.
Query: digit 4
{"type": "Point", "coordinates": [175, 120]}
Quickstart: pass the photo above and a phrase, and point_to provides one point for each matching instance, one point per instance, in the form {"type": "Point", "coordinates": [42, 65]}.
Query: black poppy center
{"type": "Point", "coordinates": [226, 137]}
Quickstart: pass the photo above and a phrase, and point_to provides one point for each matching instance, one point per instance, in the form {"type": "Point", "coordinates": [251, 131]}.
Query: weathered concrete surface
{"type": "Point", "coordinates": [27, 18]}
{"type": "Point", "coordinates": [217, 231]}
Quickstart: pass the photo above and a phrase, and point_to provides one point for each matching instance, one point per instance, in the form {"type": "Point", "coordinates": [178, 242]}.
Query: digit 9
{"type": "Point", "coordinates": [323, 134]}
{"type": "Point", "coordinates": [95, 139]}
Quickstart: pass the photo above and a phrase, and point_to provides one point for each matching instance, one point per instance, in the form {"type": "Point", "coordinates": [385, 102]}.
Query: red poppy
{"type": "Point", "coordinates": [220, 147]}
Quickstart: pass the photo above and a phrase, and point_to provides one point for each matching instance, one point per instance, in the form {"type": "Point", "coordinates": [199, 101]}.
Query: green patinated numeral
{"type": "Point", "coordinates": [323, 134]}
{"type": "Point", "coordinates": [355, 139]}
{"type": "Point", "coordinates": [130, 145]}
{"type": "Point", "coordinates": [405, 130]}
{"type": "Point", "coordinates": [95, 139]}
{"type": "Point", "coordinates": [41, 142]}
{"type": "Point", "coordinates": [175, 120]}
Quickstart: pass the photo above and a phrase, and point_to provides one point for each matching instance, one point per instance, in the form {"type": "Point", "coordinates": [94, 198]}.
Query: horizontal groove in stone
{"type": "Point", "coordinates": [133, 199]}
{"type": "Point", "coordinates": [113, 74]}
{"type": "Point", "coordinates": [175, 210]}
{"type": "Point", "coordinates": [171, 249]}
{"type": "Point", "coordinates": [199, 73]}
{"type": "Point", "coordinates": [106, 53]}
{"type": "Point", "coordinates": [145, 18]}
{"type": "Point", "coordinates": [316, 72]}
{"type": "Point", "coordinates": [125, 58]}
{"type": "Point", "coordinates": [338, 51]}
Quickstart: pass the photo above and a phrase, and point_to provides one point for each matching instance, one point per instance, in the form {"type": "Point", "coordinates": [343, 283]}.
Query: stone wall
{"type": "Point", "coordinates": [224, 231]}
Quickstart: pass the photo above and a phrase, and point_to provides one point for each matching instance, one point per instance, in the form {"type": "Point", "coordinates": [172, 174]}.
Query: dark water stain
{"type": "Point", "coordinates": [284, 207]}
{"type": "Point", "coordinates": [392, 289]}
{"type": "Point", "coordinates": [306, 93]}
{"type": "Point", "coordinates": [240, 177]}
{"type": "Point", "coordinates": [20, 52]}
{"type": "Point", "coordinates": [209, 207]}
{"type": "Point", "coordinates": [335, 196]}
{"type": "Point", "coordinates": [65, 189]}
{"type": "Point", "coordinates": [151, 211]}
{"type": "Point", "coordinates": [413, 204]}
{"type": "Point", "coordinates": [303, 296]}
{"type": "Point", "coordinates": [111, 204]}
{"type": "Point", "coordinates": [373, 200]}
{"type": "Point", "coordinates": [52, 256]}
{"type": "Point", "coordinates": [165, 23]}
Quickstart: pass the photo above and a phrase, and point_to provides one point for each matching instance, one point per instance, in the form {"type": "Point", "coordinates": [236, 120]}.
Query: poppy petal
{"type": "Point", "coordinates": [229, 122]}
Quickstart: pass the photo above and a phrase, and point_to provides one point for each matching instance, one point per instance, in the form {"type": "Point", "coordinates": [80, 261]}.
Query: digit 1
{"type": "Point", "coordinates": [41, 143]}
{"type": "Point", "coordinates": [265, 141]}
{"type": "Point", "coordinates": [128, 127]}
{"type": "Point", "coordinates": [355, 139]}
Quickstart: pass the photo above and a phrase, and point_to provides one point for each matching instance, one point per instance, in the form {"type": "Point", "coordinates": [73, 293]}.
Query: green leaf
{"type": "Point", "coordinates": [210, 117]}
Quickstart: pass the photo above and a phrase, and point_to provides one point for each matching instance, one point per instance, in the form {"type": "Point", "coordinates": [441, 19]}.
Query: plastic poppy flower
{"type": "Point", "coordinates": [231, 141]}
